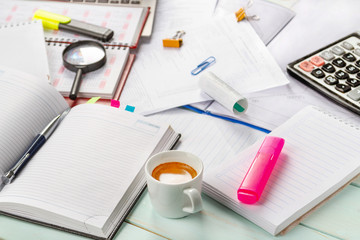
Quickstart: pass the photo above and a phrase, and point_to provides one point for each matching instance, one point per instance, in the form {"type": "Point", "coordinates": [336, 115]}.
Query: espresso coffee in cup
{"type": "Point", "coordinates": [174, 180]}
{"type": "Point", "coordinates": [174, 172]}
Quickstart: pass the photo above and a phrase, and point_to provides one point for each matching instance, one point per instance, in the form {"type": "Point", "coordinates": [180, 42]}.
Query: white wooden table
{"type": "Point", "coordinates": [338, 219]}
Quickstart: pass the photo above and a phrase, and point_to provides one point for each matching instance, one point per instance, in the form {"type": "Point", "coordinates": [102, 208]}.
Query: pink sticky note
{"type": "Point", "coordinates": [115, 103]}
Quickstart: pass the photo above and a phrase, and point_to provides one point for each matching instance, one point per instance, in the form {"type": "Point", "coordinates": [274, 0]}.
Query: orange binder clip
{"type": "Point", "coordinates": [241, 13]}
{"type": "Point", "coordinates": [175, 42]}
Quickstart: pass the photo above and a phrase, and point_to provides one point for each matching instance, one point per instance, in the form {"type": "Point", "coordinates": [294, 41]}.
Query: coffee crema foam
{"type": "Point", "coordinates": [174, 172]}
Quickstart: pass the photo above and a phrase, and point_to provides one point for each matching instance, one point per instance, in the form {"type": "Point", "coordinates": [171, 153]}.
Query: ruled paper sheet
{"type": "Point", "coordinates": [214, 140]}
{"type": "Point", "coordinates": [320, 154]}
{"type": "Point", "coordinates": [86, 166]}
{"type": "Point", "coordinates": [27, 106]}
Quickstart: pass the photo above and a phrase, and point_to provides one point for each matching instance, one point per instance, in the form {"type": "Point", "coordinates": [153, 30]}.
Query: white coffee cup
{"type": "Point", "coordinates": [175, 200]}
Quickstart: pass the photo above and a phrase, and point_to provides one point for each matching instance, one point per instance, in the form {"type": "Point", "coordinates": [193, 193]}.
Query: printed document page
{"type": "Point", "coordinates": [242, 61]}
{"type": "Point", "coordinates": [272, 17]}
{"type": "Point", "coordinates": [273, 107]}
{"type": "Point", "coordinates": [214, 140]}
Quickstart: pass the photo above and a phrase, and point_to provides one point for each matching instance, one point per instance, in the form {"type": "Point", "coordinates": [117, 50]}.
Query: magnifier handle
{"type": "Point", "coordinates": [76, 84]}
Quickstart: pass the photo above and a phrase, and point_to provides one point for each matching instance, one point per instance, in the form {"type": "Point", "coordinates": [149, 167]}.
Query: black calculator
{"type": "Point", "coordinates": [333, 70]}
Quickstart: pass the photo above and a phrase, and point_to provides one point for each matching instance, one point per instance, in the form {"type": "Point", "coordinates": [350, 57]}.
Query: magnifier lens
{"type": "Point", "coordinates": [84, 55]}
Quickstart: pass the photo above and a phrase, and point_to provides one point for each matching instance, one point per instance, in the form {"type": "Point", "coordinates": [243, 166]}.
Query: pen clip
{"type": "Point", "coordinates": [202, 66]}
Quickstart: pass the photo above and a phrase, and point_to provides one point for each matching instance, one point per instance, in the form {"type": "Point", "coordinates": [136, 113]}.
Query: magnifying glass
{"type": "Point", "coordinates": [82, 57]}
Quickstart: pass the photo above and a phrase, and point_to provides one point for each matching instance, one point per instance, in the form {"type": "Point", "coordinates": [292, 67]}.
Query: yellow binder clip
{"type": "Point", "coordinates": [241, 13]}
{"type": "Point", "coordinates": [175, 41]}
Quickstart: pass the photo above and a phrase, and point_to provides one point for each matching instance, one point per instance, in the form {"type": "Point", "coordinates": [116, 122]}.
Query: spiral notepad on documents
{"type": "Point", "coordinates": [319, 157]}
{"type": "Point", "coordinates": [102, 82]}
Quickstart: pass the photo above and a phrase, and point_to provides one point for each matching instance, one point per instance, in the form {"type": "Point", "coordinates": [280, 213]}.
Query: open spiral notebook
{"type": "Point", "coordinates": [126, 22]}
{"type": "Point", "coordinates": [320, 156]}
{"type": "Point", "coordinates": [33, 55]}
{"type": "Point", "coordinates": [102, 82]}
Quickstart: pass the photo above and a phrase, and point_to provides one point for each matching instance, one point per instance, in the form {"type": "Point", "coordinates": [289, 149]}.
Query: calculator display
{"type": "Point", "coordinates": [333, 70]}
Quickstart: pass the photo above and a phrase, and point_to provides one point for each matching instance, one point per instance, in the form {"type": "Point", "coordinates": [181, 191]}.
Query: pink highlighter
{"type": "Point", "coordinates": [260, 170]}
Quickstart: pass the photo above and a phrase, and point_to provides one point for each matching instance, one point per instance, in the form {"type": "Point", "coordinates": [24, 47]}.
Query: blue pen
{"type": "Point", "coordinates": [39, 140]}
{"type": "Point", "coordinates": [227, 118]}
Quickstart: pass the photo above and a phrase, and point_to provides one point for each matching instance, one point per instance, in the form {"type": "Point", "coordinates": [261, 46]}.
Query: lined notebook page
{"type": "Point", "coordinates": [124, 21]}
{"type": "Point", "coordinates": [319, 156]}
{"type": "Point", "coordinates": [27, 106]}
{"type": "Point", "coordinates": [102, 82]}
{"type": "Point", "coordinates": [86, 166]}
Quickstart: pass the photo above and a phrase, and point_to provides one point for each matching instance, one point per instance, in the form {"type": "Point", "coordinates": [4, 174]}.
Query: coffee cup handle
{"type": "Point", "coordinates": [195, 199]}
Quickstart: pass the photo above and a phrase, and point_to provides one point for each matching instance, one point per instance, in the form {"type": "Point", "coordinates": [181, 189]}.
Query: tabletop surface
{"type": "Point", "coordinates": [338, 219]}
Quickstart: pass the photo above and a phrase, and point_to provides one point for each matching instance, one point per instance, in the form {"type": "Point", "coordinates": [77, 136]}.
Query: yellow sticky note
{"type": "Point", "coordinates": [93, 100]}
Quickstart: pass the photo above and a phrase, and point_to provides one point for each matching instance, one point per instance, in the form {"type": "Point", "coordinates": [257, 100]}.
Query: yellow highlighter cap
{"type": "Point", "coordinates": [51, 20]}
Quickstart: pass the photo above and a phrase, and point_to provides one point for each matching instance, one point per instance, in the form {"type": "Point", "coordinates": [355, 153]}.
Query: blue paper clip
{"type": "Point", "coordinates": [202, 66]}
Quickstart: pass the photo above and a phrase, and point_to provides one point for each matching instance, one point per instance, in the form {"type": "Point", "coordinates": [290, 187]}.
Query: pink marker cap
{"type": "Point", "coordinates": [260, 170]}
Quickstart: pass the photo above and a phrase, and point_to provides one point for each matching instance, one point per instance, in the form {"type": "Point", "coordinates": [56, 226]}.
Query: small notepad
{"type": "Point", "coordinates": [102, 82]}
{"type": "Point", "coordinates": [320, 155]}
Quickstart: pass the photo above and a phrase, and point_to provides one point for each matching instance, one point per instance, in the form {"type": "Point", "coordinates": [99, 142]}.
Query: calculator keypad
{"type": "Point", "coordinates": [351, 69]}
{"type": "Point", "coordinates": [306, 66]}
{"type": "Point", "coordinates": [331, 80]}
{"type": "Point", "coordinates": [352, 82]}
{"type": "Point", "coordinates": [317, 61]}
{"type": "Point", "coordinates": [338, 62]}
{"type": "Point", "coordinates": [337, 50]}
{"type": "Point", "coordinates": [327, 55]}
{"type": "Point", "coordinates": [342, 88]}
{"type": "Point", "coordinates": [341, 75]}
{"type": "Point", "coordinates": [328, 68]}
{"type": "Point", "coordinates": [347, 45]}
{"type": "Point", "coordinates": [355, 94]}
{"type": "Point", "coordinates": [349, 57]}
{"type": "Point", "coordinates": [336, 68]}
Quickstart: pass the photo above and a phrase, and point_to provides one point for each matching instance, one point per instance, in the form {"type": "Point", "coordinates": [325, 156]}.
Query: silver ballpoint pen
{"type": "Point", "coordinates": [39, 140]}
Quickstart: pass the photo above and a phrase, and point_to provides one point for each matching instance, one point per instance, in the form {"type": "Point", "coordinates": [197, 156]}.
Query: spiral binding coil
{"type": "Point", "coordinates": [66, 41]}
{"type": "Point", "coordinates": [16, 24]}
{"type": "Point", "coordinates": [329, 114]}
